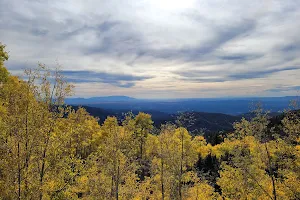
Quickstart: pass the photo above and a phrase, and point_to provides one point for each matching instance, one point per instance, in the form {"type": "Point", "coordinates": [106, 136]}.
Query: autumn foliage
{"type": "Point", "coordinates": [51, 151]}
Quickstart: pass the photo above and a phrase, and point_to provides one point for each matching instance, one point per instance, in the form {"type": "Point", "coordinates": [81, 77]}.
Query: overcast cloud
{"type": "Point", "coordinates": [159, 48]}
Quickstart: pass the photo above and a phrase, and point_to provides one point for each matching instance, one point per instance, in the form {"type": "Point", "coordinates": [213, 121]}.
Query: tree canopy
{"type": "Point", "coordinates": [48, 150]}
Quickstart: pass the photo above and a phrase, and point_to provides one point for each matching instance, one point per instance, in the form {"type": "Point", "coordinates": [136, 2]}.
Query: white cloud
{"type": "Point", "coordinates": [187, 46]}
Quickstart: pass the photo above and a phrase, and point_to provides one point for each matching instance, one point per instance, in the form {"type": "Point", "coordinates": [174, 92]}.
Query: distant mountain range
{"type": "Point", "coordinates": [213, 116]}
{"type": "Point", "coordinates": [210, 114]}
{"type": "Point", "coordinates": [95, 100]}
{"type": "Point", "coordinates": [230, 106]}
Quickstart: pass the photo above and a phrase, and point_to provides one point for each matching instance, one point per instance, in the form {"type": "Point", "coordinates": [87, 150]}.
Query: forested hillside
{"type": "Point", "coordinates": [196, 121]}
{"type": "Point", "coordinates": [51, 151]}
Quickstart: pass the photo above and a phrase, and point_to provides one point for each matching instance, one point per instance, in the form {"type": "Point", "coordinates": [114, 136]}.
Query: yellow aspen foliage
{"type": "Point", "coordinates": [201, 191]}
{"type": "Point", "coordinates": [49, 151]}
{"type": "Point", "coordinates": [3, 71]}
{"type": "Point", "coordinates": [203, 149]}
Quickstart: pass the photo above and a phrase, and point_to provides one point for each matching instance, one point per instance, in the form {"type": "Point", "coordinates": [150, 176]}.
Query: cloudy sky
{"type": "Point", "coordinates": [159, 48]}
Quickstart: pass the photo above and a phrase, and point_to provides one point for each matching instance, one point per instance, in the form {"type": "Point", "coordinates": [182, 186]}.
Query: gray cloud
{"type": "Point", "coordinates": [285, 88]}
{"type": "Point", "coordinates": [259, 74]}
{"type": "Point", "coordinates": [119, 80]}
{"type": "Point", "coordinates": [195, 42]}
{"type": "Point", "coordinates": [192, 54]}
{"type": "Point", "coordinates": [39, 32]}
{"type": "Point", "coordinates": [100, 28]}
{"type": "Point", "coordinates": [291, 47]}
{"type": "Point", "coordinates": [198, 76]}
{"type": "Point", "coordinates": [240, 57]}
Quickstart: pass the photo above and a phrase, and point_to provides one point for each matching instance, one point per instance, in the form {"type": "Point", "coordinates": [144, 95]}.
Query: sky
{"type": "Point", "coordinates": [159, 48]}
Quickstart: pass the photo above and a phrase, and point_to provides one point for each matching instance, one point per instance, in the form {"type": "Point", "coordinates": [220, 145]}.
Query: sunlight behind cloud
{"type": "Point", "coordinates": [172, 5]}
{"type": "Point", "coordinates": [197, 44]}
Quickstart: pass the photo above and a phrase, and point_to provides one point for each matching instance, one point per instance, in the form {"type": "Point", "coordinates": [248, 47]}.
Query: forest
{"type": "Point", "coordinates": [49, 150]}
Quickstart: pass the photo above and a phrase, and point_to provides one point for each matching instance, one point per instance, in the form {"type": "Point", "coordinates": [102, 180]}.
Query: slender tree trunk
{"type": "Point", "coordinates": [26, 169]}
{"type": "Point", "coordinates": [271, 173]}
{"type": "Point", "coordinates": [117, 160]}
{"type": "Point", "coordinates": [19, 172]}
{"type": "Point", "coordinates": [117, 182]}
{"type": "Point", "coordinates": [197, 194]}
{"type": "Point", "coordinates": [274, 188]}
{"type": "Point", "coordinates": [112, 187]}
{"type": "Point", "coordinates": [162, 180]}
{"type": "Point", "coordinates": [141, 155]}
{"type": "Point", "coordinates": [42, 172]}
{"type": "Point", "coordinates": [44, 154]}
{"type": "Point", "coordinates": [181, 168]}
{"type": "Point", "coordinates": [27, 153]}
{"type": "Point", "coordinates": [162, 172]}
{"type": "Point", "coordinates": [141, 146]}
